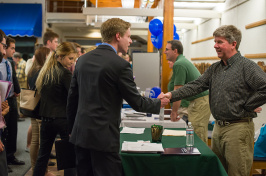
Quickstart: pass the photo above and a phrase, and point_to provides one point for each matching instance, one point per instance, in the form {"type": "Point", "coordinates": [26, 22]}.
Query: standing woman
{"type": "Point", "coordinates": [53, 83]}
{"type": "Point", "coordinates": [40, 57]}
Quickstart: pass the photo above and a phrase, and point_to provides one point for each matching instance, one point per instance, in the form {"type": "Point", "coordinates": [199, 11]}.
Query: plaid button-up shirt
{"type": "Point", "coordinates": [235, 89]}
{"type": "Point", "coordinates": [20, 72]}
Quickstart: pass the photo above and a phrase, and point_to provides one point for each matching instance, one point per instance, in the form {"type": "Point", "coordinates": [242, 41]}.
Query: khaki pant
{"type": "Point", "coordinates": [35, 141]}
{"type": "Point", "coordinates": [233, 144]}
{"type": "Point", "coordinates": [199, 115]}
{"type": "Point", "coordinates": [182, 111]}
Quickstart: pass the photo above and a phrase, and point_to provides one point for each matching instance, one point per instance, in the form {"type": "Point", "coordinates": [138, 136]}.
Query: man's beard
{"type": "Point", "coordinates": [1, 56]}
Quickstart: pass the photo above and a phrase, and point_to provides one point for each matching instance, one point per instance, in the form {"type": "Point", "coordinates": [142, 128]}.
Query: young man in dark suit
{"type": "Point", "coordinates": [100, 82]}
{"type": "Point", "coordinates": [9, 136]}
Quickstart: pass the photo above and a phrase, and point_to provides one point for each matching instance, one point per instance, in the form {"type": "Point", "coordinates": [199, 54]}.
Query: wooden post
{"type": "Point", "coordinates": [168, 30]}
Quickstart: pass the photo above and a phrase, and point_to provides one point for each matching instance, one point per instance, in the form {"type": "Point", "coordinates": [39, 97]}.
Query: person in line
{"type": "Point", "coordinates": [10, 51]}
{"type": "Point", "coordinates": [20, 65]}
{"type": "Point", "coordinates": [50, 40]}
{"type": "Point", "coordinates": [78, 48]}
{"type": "Point", "coordinates": [40, 56]}
{"type": "Point", "coordinates": [53, 83]}
{"type": "Point", "coordinates": [101, 81]}
{"type": "Point", "coordinates": [237, 88]}
{"type": "Point", "coordinates": [20, 70]}
{"type": "Point", "coordinates": [4, 109]}
{"type": "Point", "coordinates": [183, 72]}
{"type": "Point", "coordinates": [31, 60]}
{"type": "Point", "coordinates": [182, 110]}
{"type": "Point", "coordinates": [8, 73]}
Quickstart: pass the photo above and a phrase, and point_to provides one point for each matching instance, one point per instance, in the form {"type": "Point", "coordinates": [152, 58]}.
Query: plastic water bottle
{"type": "Point", "coordinates": [161, 115]}
{"type": "Point", "coordinates": [190, 135]}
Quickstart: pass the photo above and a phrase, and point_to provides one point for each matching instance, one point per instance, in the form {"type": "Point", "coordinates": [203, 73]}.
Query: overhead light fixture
{"type": "Point", "coordinates": [128, 3]}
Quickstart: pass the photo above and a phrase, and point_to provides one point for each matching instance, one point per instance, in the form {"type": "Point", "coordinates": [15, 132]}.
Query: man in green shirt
{"type": "Point", "coordinates": [183, 72]}
{"type": "Point", "coordinates": [182, 110]}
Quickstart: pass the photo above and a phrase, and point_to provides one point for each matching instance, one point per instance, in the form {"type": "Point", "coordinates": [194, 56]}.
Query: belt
{"type": "Point", "coordinates": [224, 122]}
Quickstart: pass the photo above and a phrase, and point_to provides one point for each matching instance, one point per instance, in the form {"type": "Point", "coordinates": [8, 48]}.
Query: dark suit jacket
{"type": "Point", "coordinates": [54, 95]}
{"type": "Point", "coordinates": [100, 82]}
{"type": "Point", "coordinates": [14, 77]}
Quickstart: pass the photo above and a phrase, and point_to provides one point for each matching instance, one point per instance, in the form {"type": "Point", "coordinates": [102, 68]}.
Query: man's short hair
{"type": "Point", "coordinates": [230, 33]}
{"type": "Point", "coordinates": [9, 40]}
{"type": "Point", "coordinates": [113, 26]}
{"type": "Point", "coordinates": [17, 55]}
{"type": "Point", "coordinates": [49, 35]}
{"type": "Point", "coordinates": [2, 35]}
{"type": "Point", "coordinates": [176, 44]}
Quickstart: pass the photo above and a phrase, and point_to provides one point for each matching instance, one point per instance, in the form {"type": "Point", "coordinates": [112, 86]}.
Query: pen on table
{"type": "Point", "coordinates": [139, 113]}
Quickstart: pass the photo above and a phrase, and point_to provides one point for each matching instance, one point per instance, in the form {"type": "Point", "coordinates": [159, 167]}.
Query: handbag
{"type": "Point", "coordinates": [30, 103]}
{"type": "Point", "coordinates": [259, 147]}
{"type": "Point", "coordinates": [65, 154]}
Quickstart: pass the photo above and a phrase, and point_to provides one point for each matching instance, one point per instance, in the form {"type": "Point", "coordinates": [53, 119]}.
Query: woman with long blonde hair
{"type": "Point", "coordinates": [53, 83]}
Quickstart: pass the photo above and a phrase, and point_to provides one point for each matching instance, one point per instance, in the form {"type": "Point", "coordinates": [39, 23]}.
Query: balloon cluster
{"type": "Point", "coordinates": [156, 29]}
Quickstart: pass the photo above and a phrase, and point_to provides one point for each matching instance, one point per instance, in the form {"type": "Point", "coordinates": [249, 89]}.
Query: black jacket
{"type": "Point", "coordinates": [14, 77]}
{"type": "Point", "coordinates": [54, 96]}
{"type": "Point", "coordinates": [100, 82]}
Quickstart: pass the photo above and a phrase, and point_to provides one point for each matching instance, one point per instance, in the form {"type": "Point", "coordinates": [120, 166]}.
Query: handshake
{"type": "Point", "coordinates": [165, 98]}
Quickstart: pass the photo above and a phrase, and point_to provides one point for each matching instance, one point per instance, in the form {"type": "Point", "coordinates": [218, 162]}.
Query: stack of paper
{"type": "Point", "coordinates": [133, 130]}
{"type": "Point", "coordinates": [142, 147]}
{"type": "Point", "coordinates": [174, 133]}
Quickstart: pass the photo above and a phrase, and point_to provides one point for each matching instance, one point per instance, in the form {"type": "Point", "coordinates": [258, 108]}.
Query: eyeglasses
{"type": "Point", "coordinates": [166, 49]}
{"type": "Point", "coordinates": [4, 45]}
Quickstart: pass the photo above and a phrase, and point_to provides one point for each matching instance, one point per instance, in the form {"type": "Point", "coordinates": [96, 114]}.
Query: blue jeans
{"type": "Point", "coordinates": [49, 129]}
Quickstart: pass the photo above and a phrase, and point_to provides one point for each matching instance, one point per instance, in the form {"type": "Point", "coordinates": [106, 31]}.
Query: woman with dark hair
{"type": "Point", "coordinates": [53, 83]}
{"type": "Point", "coordinates": [40, 57]}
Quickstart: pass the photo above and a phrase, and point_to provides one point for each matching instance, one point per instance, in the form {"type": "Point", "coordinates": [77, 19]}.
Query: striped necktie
{"type": "Point", "coordinates": [8, 71]}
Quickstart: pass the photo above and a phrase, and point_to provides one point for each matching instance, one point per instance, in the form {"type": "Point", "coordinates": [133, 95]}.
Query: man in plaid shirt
{"type": "Point", "coordinates": [20, 70]}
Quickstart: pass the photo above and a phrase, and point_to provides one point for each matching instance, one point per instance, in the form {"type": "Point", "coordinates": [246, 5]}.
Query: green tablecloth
{"type": "Point", "coordinates": [139, 164]}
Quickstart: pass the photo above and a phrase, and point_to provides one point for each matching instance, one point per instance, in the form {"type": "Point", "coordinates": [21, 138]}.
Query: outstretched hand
{"type": "Point", "coordinates": [167, 95]}
{"type": "Point", "coordinates": [164, 100]}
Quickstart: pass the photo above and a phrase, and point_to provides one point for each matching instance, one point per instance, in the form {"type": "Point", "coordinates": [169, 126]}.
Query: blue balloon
{"type": "Point", "coordinates": [176, 36]}
{"type": "Point", "coordinates": [174, 29]}
{"type": "Point", "coordinates": [157, 41]}
{"type": "Point", "coordinates": [155, 91]}
{"type": "Point", "coordinates": [156, 27]}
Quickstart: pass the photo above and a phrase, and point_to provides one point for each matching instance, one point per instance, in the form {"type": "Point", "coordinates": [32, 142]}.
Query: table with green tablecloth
{"type": "Point", "coordinates": [148, 164]}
